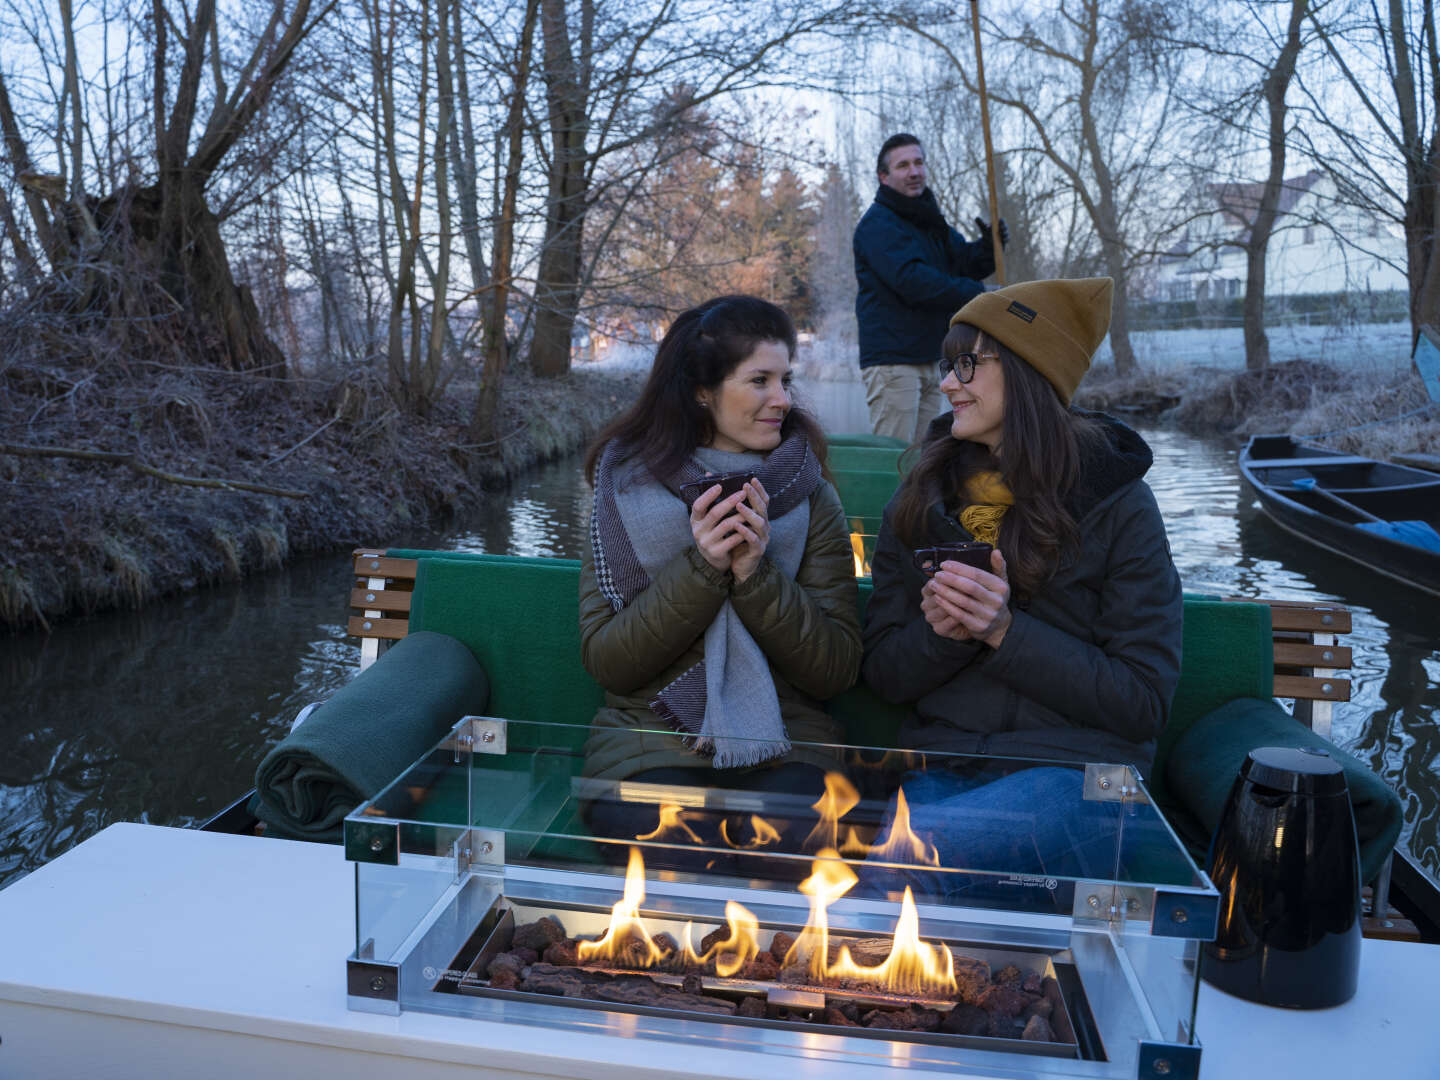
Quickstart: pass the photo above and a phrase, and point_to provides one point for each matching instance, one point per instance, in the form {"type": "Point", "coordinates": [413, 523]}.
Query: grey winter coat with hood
{"type": "Point", "coordinates": [1089, 665]}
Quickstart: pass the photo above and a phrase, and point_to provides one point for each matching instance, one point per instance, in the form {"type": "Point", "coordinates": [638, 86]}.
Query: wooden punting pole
{"type": "Point", "coordinates": [989, 150]}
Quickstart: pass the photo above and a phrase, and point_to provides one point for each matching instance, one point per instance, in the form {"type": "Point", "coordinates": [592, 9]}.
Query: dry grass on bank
{"type": "Point", "coordinates": [1360, 415]}
{"type": "Point", "coordinates": [80, 536]}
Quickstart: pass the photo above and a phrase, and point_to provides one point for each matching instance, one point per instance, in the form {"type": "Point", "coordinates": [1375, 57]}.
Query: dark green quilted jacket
{"type": "Point", "coordinates": [808, 628]}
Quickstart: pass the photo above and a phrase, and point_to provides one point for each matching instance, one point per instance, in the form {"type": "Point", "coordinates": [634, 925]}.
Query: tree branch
{"type": "Point", "coordinates": [148, 470]}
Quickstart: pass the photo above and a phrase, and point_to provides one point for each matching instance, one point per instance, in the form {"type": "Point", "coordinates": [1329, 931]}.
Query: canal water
{"type": "Point", "coordinates": [161, 715]}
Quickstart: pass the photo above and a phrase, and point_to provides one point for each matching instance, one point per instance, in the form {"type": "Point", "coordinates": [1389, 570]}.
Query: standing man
{"type": "Point", "coordinates": [913, 271]}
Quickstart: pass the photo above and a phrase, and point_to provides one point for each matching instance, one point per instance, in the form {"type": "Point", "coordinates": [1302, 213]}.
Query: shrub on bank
{"type": "Point", "coordinates": [1360, 415]}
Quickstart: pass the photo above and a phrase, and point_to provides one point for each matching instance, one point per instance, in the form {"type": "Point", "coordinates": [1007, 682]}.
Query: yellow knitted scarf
{"type": "Point", "coordinates": [989, 498]}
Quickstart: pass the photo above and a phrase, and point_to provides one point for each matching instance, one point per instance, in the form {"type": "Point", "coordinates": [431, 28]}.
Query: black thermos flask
{"type": "Point", "coordinates": [1287, 865]}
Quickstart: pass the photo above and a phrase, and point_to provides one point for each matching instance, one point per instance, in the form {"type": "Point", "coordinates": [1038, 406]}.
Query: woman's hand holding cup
{"type": "Point", "coordinates": [962, 602]}
{"type": "Point", "coordinates": [714, 525]}
{"type": "Point", "coordinates": [752, 521]}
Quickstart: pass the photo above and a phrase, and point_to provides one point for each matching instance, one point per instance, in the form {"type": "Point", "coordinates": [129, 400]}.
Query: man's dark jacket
{"type": "Point", "coordinates": [1089, 665]}
{"type": "Point", "coordinates": [913, 271]}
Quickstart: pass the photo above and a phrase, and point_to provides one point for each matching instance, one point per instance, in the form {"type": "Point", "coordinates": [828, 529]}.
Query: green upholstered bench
{"type": "Point", "coordinates": [517, 616]}
{"type": "Point", "coordinates": [872, 458]}
{"type": "Point", "coordinates": [864, 438]}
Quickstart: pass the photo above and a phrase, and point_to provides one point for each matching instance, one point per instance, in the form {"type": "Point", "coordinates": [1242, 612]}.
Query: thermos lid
{"type": "Point", "coordinates": [1307, 770]}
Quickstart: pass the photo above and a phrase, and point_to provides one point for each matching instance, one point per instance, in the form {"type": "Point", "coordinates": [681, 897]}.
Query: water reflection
{"type": "Point", "coordinates": [162, 715]}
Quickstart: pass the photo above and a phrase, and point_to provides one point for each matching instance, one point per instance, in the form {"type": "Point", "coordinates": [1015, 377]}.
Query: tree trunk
{"type": "Point", "coordinates": [1257, 244]}
{"type": "Point", "coordinates": [557, 291]}
{"type": "Point", "coordinates": [462, 153]}
{"type": "Point", "coordinates": [482, 431]}
{"type": "Point", "coordinates": [1104, 213]}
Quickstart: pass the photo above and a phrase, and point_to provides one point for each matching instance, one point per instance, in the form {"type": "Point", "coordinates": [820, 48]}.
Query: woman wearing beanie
{"type": "Point", "coordinates": [718, 627]}
{"type": "Point", "coordinates": [1066, 646]}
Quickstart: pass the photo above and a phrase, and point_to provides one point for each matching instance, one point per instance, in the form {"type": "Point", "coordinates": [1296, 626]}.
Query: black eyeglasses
{"type": "Point", "coordinates": [964, 365]}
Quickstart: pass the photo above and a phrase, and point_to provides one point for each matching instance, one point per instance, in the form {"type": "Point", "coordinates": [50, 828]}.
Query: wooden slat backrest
{"type": "Point", "coordinates": [382, 592]}
{"type": "Point", "coordinates": [1307, 659]}
{"type": "Point", "coordinates": [1309, 664]}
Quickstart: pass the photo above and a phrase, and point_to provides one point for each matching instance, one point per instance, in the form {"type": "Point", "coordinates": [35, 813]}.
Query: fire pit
{"type": "Point", "coordinates": [823, 927]}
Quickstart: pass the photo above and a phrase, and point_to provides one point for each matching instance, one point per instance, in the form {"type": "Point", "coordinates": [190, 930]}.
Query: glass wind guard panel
{"type": "Point", "coordinates": [1071, 860]}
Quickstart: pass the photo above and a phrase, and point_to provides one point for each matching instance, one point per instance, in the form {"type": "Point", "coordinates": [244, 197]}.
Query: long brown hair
{"type": "Point", "coordinates": [1041, 447]}
{"type": "Point", "coordinates": [702, 347]}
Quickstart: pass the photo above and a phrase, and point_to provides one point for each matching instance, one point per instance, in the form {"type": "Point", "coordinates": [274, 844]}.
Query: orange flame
{"type": "Point", "coordinates": [913, 966]}
{"type": "Point", "coordinates": [672, 816]}
{"type": "Point", "coordinates": [857, 550]}
{"type": "Point", "coordinates": [839, 799]}
{"type": "Point", "coordinates": [740, 946]}
{"type": "Point", "coordinates": [627, 938]}
{"type": "Point", "coordinates": [830, 880]}
{"type": "Point", "coordinates": [765, 834]}
{"type": "Point", "coordinates": [903, 845]}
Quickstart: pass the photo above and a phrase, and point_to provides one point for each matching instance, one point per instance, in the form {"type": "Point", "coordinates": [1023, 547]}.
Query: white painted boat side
{"type": "Point", "coordinates": [155, 952]}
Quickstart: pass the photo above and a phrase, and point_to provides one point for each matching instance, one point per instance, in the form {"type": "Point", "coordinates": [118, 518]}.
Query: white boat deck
{"type": "Point", "coordinates": [152, 952]}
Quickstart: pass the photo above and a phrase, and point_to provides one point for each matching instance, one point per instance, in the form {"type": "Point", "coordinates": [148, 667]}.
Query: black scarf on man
{"type": "Point", "coordinates": [921, 210]}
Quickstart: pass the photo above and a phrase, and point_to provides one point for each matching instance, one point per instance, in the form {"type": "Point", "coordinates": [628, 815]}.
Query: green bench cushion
{"type": "Point", "coordinates": [864, 492]}
{"type": "Point", "coordinates": [368, 733]}
{"type": "Point", "coordinates": [864, 438]}
{"type": "Point", "coordinates": [519, 618]}
{"type": "Point", "coordinates": [870, 458]}
{"type": "Point", "coordinates": [1227, 652]}
{"type": "Point", "coordinates": [1206, 759]}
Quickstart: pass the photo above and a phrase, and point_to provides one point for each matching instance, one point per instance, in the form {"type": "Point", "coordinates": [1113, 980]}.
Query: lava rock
{"type": "Point", "coordinates": [851, 1011]}
{"type": "Point", "coordinates": [1009, 975]}
{"type": "Point", "coordinates": [752, 1007]}
{"type": "Point", "coordinates": [504, 979]}
{"type": "Point", "coordinates": [713, 938]}
{"type": "Point", "coordinates": [972, 978]}
{"type": "Point", "coordinates": [538, 935]}
{"type": "Point", "coordinates": [1039, 1007]}
{"type": "Point", "coordinates": [691, 984]}
{"type": "Point", "coordinates": [910, 1018]}
{"type": "Point", "coordinates": [507, 961]}
{"type": "Point", "coordinates": [966, 1020]}
{"type": "Point", "coordinates": [564, 953]}
{"type": "Point", "coordinates": [1032, 984]}
{"type": "Point", "coordinates": [666, 943]}
{"type": "Point", "coordinates": [838, 1018]}
{"type": "Point", "coordinates": [780, 945]}
{"type": "Point", "coordinates": [1005, 1027]}
{"type": "Point", "coordinates": [1037, 1029]}
{"type": "Point", "coordinates": [1003, 1001]}
{"type": "Point", "coordinates": [764, 968]}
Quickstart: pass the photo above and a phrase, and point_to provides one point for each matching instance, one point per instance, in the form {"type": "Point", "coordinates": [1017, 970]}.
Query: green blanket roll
{"type": "Point", "coordinates": [1206, 759]}
{"type": "Point", "coordinates": [374, 728]}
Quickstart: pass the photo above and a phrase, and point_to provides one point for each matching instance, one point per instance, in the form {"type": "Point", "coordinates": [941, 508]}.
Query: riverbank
{"type": "Point", "coordinates": [1376, 413]}
{"type": "Point", "coordinates": [339, 466]}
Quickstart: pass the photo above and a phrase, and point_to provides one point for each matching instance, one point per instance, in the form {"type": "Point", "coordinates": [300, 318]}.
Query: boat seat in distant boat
{"type": "Point", "coordinates": [1309, 462]}
{"type": "Point", "coordinates": [1419, 533]}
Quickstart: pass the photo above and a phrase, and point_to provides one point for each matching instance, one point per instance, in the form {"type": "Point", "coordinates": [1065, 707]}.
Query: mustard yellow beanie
{"type": "Point", "coordinates": [1054, 326]}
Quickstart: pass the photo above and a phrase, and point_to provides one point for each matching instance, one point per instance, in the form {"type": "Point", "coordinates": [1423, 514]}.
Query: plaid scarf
{"type": "Point", "coordinates": [726, 704]}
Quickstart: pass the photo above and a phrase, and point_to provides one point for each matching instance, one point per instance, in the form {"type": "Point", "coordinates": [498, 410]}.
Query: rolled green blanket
{"type": "Point", "coordinates": [1206, 759]}
{"type": "Point", "coordinates": [375, 727]}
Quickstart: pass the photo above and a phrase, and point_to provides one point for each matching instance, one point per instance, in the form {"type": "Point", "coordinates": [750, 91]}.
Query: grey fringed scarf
{"type": "Point", "coordinates": [726, 704]}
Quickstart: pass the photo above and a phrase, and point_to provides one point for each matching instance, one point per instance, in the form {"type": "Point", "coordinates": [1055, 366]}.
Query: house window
{"type": "Point", "coordinates": [1232, 287]}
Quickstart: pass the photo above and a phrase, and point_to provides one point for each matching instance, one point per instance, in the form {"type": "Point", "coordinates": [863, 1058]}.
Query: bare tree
{"type": "Point", "coordinates": [154, 254]}
{"type": "Point", "coordinates": [482, 432]}
{"type": "Point", "coordinates": [1363, 144]}
{"type": "Point", "coordinates": [621, 74]}
{"type": "Point", "coordinates": [1093, 86]}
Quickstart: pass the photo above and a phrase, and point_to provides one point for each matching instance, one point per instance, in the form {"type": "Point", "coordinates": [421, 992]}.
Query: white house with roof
{"type": "Point", "coordinates": [1319, 245]}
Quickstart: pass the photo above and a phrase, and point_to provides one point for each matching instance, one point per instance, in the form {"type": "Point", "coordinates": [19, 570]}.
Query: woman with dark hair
{"type": "Point", "coordinates": [1065, 644]}
{"type": "Point", "coordinates": [716, 630]}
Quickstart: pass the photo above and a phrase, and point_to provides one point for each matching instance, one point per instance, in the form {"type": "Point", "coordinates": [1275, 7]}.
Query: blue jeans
{"type": "Point", "coordinates": [1023, 832]}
